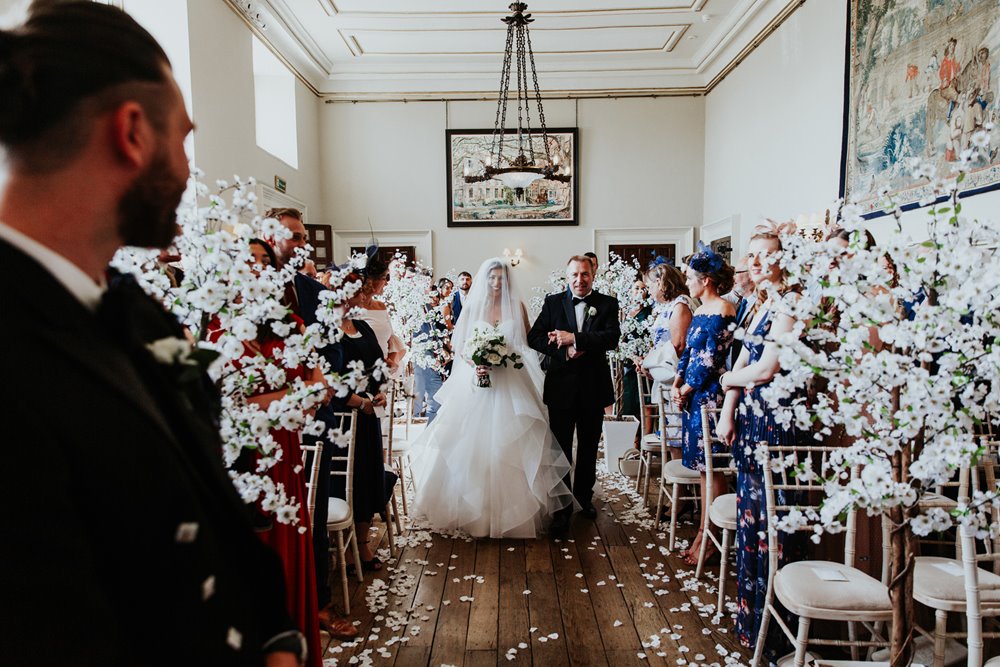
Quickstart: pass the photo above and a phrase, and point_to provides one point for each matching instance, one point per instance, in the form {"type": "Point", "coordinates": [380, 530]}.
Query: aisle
{"type": "Point", "coordinates": [604, 596]}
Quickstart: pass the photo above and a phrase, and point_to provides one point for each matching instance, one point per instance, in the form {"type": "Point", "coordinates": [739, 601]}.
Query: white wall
{"type": "Point", "coordinates": [640, 165]}
{"type": "Point", "coordinates": [773, 129]}
{"type": "Point", "coordinates": [223, 106]}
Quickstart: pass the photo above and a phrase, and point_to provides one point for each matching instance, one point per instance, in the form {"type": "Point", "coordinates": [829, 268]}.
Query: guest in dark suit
{"type": "Point", "coordinates": [464, 283]}
{"type": "Point", "coordinates": [302, 296]}
{"type": "Point", "coordinates": [576, 329]}
{"type": "Point", "coordinates": [117, 503]}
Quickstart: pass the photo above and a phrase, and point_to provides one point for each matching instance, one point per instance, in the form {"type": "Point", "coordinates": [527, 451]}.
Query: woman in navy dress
{"type": "Point", "coordinates": [371, 486]}
{"type": "Point", "coordinates": [755, 422]}
{"type": "Point", "coordinates": [702, 363]}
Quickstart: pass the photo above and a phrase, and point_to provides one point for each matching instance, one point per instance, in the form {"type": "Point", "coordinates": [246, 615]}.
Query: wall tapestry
{"type": "Point", "coordinates": [921, 80]}
{"type": "Point", "coordinates": [491, 203]}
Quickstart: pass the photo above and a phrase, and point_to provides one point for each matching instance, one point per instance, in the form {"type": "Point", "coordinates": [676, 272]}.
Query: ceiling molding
{"type": "Point", "coordinates": [773, 25]}
{"type": "Point", "coordinates": [491, 96]}
{"type": "Point", "coordinates": [691, 76]}
{"type": "Point", "coordinates": [330, 7]}
{"type": "Point", "coordinates": [233, 5]}
{"type": "Point", "coordinates": [300, 34]}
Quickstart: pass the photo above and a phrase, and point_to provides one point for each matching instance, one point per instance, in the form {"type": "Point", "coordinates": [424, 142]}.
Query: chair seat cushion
{"type": "Point", "coordinates": [338, 511]}
{"type": "Point", "coordinates": [675, 471]}
{"type": "Point", "coordinates": [723, 511]}
{"type": "Point", "coordinates": [651, 442]}
{"type": "Point", "coordinates": [992, 662]}
{"type": "Point", "coordinates": [801, 589]}
{"type": "Point", "coordinates": [939, 583]}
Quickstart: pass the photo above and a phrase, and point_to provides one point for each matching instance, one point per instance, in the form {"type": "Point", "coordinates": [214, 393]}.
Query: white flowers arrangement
{"type": "Point", "coordinates": [431, 347]}
{"type": "Point", "coordinates": [905, 339]}
{"type": "Point", "coordinates": [487, 346]}
{"type": "Point", "coordinates": [617, 279]}
{"type": "Point", "coordinates": [220, 295]}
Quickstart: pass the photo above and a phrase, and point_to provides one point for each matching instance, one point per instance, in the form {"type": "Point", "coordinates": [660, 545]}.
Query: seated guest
{"type": "Point", "coordinates": [701, 364]}
{"type": "Point", "coordinates": [359, 343]}
{"type": "Point", "coordinates": [293, 545]}
{"type": "Point", "coordinates": [671, 317]}
{"type": "Point", "coordinates": [376, 313]}
{"type": "Point", "coordinates": [754, 423]}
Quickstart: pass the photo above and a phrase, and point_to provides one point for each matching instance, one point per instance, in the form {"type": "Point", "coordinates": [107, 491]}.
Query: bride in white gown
{"type": "Point", "coordinates": [488, 465]}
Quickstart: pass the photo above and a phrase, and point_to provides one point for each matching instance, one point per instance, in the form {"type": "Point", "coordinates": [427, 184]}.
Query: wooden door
{"type": "Point", "coordinates": [321, 239]}
{"type": "Point", "coordinates": [388, 253]}
{"type": "Point", "coordinates": [644, 253]}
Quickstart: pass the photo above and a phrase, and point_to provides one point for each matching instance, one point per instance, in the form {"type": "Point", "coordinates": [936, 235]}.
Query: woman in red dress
{"type": "Point", "coordinates": [292, 541]}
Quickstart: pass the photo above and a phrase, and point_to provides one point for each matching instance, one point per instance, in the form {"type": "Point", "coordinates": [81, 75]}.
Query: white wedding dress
{"type": "Point", "coordinates": [489, 465]}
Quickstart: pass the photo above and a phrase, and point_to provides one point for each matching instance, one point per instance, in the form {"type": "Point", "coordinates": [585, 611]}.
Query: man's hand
{"type": "Point", "coordinates": [573, 353]}
{"type": "Point", "coordinates": [562, 338]}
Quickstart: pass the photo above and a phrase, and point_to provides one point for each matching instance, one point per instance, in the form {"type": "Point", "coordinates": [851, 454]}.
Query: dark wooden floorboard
{"type": "Point", "coordinates": [524, 603]}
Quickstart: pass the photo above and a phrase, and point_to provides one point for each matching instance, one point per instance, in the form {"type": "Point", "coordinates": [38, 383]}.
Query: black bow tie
{"type": "Point", "coordinates": [577, 299]}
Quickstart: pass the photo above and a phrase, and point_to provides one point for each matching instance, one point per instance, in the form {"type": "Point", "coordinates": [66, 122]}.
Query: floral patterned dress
{"type": "Point", "coordinates": [756, 423]}
{"type": "Point", "coordinates": [701, 364]}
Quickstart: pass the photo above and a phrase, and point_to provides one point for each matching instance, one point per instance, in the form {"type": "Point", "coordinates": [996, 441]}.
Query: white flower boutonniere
{"type": "Point", "coordinates": [591, 312]}
{"type": "Point", "coordinates": [180, 353]}
{"type": "Point", "coordinates": [171, 351]}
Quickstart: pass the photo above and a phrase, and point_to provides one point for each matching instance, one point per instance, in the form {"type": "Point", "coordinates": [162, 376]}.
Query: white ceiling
{"type": "Point", "coordinates": [449, 49]}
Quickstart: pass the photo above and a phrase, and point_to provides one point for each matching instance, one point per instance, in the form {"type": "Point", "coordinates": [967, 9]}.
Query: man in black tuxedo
{"type": "Point", "coordinates": [576, 329]}
{"type": "Point", "coordinates": [116, 503]}
{"type": "Point", "coordinates": [458, 298]}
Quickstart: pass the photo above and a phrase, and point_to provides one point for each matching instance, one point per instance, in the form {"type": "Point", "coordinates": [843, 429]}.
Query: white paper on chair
{"type": "Point", "coordinates": [953, 569]}
{"type": "Point", "coordinates": [380, 411]}
{"type": "Point", "coordinates": [829, 574]}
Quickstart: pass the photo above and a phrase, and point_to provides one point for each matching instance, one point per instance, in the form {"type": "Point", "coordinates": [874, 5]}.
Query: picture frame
{"type": "Point", "coordinates": [490, 203]}
{"type": "Point", "coordinates": [920, 79]}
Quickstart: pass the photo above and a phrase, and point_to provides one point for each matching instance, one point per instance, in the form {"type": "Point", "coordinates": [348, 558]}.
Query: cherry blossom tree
{"type": "Point", "coordinates": [897, 353]}
{"type": "Point", "coordinates": [223, 302]}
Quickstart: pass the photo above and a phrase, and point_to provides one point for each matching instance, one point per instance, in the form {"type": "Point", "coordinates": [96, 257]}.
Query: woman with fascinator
{"type": "Point", "coordinates": [702, 363]}
{"type": "Point", "coordinates": [374, 310]}
{"type": "Point", "coordinates": [489, 466]}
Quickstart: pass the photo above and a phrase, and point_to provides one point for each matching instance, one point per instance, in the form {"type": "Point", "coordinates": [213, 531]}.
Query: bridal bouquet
{"type": "Point", "coordinates": [488, 347]}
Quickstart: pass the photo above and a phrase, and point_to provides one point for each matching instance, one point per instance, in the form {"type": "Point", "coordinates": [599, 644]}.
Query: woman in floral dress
{"type": "Point", "coordinates": [671, 318]}
{"type": "Point", "coordinates": [755, 423]}
{"type": "Point", "coordinates": [701, 365]}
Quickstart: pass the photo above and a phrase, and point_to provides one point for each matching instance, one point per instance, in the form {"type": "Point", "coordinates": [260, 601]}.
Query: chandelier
{"type": "Point", "coordinates": [531, 162]}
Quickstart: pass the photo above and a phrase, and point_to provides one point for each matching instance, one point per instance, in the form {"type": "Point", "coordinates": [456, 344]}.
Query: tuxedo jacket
{"type": "Point", "coordinates": [456, 307]}
{"type": "Point", "coordinates": [125, 541]}
{"type": "Point", "coordinates": [585, 381]}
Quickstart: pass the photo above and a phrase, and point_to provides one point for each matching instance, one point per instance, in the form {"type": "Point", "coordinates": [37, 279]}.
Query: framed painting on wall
{"type": "Point", "coordinates": [493, 204]}
{"type": "Point", "coordinates": [921, 81]}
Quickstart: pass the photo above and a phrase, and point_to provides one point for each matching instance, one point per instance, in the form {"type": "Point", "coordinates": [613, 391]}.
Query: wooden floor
{"type": "Point", "coordinates": [607, 595]}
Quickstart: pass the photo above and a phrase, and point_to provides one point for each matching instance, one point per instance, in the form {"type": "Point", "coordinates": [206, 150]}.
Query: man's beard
{"type": "Point", "coordinates": [148, 210]}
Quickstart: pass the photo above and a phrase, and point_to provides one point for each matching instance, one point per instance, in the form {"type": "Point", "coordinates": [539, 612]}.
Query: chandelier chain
{"type": "Point", "coordinates": [520, 93]}
{"type": "Point", "coordinates": [538, 98]}
{"type": "Point", "coordinates": [520, 170]}
{"type": "Point", "coordinates": [501, 117]}
{"type": "Point", "coordinates": [525, 35]}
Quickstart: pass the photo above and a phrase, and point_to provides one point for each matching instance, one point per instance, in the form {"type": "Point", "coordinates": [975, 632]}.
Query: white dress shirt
{"type": "Point", "coordinates": [581, 311]}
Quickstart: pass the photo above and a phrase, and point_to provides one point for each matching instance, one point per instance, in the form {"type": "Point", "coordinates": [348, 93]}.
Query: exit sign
{"type": "Point", "coordinates": [280, 184]}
